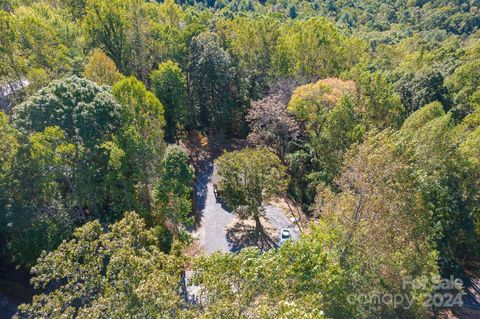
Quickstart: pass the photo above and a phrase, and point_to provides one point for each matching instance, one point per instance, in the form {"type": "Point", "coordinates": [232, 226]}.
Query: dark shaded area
{"type": "Point", "coordinates": [204, 170]}
{"type": "Point", "coordinates": [8, 308]}
{"type": "Point", "coordinates": [15, 289]}
{"type": "Point", "coordinates": [240, 236]}
{"type": "Point", "coordinates": [471, 299]}
{"type": "Point", "coordinates": [223, 203]}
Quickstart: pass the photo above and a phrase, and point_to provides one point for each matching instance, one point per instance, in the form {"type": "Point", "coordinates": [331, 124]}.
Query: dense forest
{"type": "Point", "coordinates": [363, 114]}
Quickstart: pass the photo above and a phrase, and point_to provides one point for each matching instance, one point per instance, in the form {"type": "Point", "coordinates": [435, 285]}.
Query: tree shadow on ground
{"type": "Point", "coordinates": [242, 235]}
{"type": "Point", "coordinates": [223, 203]}
{"type": "Point", "coordinates": [200, 187]}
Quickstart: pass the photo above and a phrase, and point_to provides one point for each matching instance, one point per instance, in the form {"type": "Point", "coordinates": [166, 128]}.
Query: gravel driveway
{"type": "Point", "coordinates": [215, 216]}
{"type": "Point", "coordinates": [277, 218]}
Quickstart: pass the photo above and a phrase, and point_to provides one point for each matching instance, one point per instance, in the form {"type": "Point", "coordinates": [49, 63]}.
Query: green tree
{"type": "Point", "coordinates": [41, 211]}
{"type": "Point", "coordinates": [421, 88]}
{"type": "Point", "coordinates": [312, 102]}
{"type": "Point", "coordinates": [86, 112]}
{"type": "Point", "coordinates": [8, 151]}
{"type": "Point", "coordinates": [298, 280]}
{"type": "Point", "coordinates": [464, 83]}
{"type": "Point", "coordinates": [89, 116]}
{"type": "Point", "coordinates": [252, 42]}
{"type": "Point", "coordinates": [76, 8]}
{"type": "Point", "coordinates": [340, 129]}
{"type": "Point", "coordinates": [9, 148]}
{"type": "Point", "coordinates": [107, 25]}
{"type": "Point", "coordinates": [121, 30]}
{"type": "Point", "coordinates": [249, 178]}
{"type": "Point", "coordinates": [332, 112]}
{"type": "Point", "coordinates": [169, 85]}
{"type": "Point", "coordinates": [168, 33]}
{"type": "Point", "coordinates": [383, 224]}
{"type": "Point", "coordinates": [210, 76]}
{"type": "Point", "coordinates": [469, 150]}
{"type": "Point", "coordinates": [143, 115]}
{"type": "Point", "coordinates": [100, 69]}
{"type": "Point", "coordinates": [96, 158]}
{"type": "Point", "coordinates": [383, 106]}
{"type": "Point", "coordinates": [173, 190]}
{"type": "Point", "coordinates": [48, 42]}
{"type": "Point", "coordinates": [118, 273]}
{"type": "Point", "coordinates": [314, 48]}
{"type": "Point", "coordinates": [141, 138]}
{"type": "Point", "coordinates": [447, 181]}
{"type": "Point", "coordinates": [12, 68]}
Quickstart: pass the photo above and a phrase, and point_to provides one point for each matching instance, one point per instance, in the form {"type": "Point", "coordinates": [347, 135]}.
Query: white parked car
{"type": "Point", "coordinates": [284, 236]}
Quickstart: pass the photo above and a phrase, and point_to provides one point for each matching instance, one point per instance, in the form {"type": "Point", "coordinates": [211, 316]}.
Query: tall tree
{"type": "Point", "coordinates": [86, 155]}
{"type": "Point", "coordinates": [249, 178]}
{"type": "Point", "coordinates": [100, 69]}
{"type": "Point", "coordinates": [86, 112]}
{"type": "Point", "coordinates": [464, 83]}
{"type": "Point", "coordinates": [210, 76]}
{"type": "Point", "coordinates": [421, 88]}
{"type": "Point", "coordinates": [383, 224]}
{"type": "Point", "coordinates": [106, 25]}
{"type": "Point", "coordinates": [252, 42]}
{"type": "Point", "coordinates": [333, 117]}
{"type": "Point", "coordinates": [271, 125]}
{"type": "Point", "coordinates": [169, 32]}
{"type": "Point", "coordinates": [141, 138]}
{"type": "Point", "coordinates": [383, 106]}
{"type": "Point", "coordinates": [314, 48]}
{"type": "Point", "coordinates": [70, 166]}
{"type": "Point", "coordinates": [42, 209]}
{"type": "Point", "coordinates": [49, 43]}
{"type": "Point", "coordinates": [116, 272]}
{"type": "Point", "coordinates": [447, 181]}
{"type": "Point", "coordinates": [12, 68]}
{"type": "Point", "coordinates": [169, 85]}
{"type": "Point", "coordinates": [173, 190]}
{"type": "Point", "coordinates": [8, 151]}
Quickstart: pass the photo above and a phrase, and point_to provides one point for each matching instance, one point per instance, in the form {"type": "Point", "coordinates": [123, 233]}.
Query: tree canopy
{"type": "Point", "coordinates": [359, 118]}
{"type": "Point", "coordinates": [116, 272]}
{"type": "Point", "coordinates": [249, 178]}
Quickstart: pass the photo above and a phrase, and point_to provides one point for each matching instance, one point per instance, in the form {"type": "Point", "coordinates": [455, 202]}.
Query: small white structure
{"type": "Point", "coordinates": [7, 90]}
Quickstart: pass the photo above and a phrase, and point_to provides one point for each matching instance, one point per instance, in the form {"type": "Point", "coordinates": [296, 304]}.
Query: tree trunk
{"type": "Point", "coordinates": [258, 224]}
